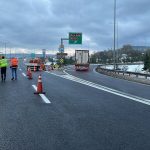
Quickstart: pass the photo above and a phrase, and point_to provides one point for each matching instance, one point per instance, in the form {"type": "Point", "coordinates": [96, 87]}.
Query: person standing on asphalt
{"type": "Point", "coordinates": [14, 66]}
{"type": "Point", "coordinates": [3, 66]}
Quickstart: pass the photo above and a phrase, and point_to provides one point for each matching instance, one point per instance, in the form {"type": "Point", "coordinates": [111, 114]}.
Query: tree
{"type": "Point", "coordinates": [106, 56]}
{"type": "Point", "coordinates": [147, 61]}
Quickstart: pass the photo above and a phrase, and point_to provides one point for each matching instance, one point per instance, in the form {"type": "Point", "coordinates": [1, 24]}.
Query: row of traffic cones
{"type": "Point", "coordinates": [39, 84]}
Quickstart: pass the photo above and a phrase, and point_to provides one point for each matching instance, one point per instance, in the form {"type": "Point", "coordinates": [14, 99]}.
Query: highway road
{"type": "Point", "coordinates": [80, 111]}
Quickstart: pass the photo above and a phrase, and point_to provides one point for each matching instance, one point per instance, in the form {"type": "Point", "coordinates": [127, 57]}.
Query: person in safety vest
{"type": "Point", "coordinates": [14, 66]}
{"type": "Point", "coordinates": [3, 66]}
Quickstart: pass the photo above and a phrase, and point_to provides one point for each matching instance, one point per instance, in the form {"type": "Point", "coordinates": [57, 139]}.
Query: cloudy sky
{"type": "Point", "coordinates": [36, 24]}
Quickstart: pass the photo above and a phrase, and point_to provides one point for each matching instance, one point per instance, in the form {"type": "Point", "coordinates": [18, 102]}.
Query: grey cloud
{"type": "Point", "coordinates": [41, 23]}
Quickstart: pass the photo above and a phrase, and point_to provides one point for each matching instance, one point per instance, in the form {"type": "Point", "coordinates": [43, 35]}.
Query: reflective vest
{"type": "Point", "coordinates": [14, 62]}
{"type": "Point", "coordinates": [3, 63]}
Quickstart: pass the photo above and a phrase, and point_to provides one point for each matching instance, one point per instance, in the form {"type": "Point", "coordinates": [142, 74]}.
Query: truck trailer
{"type": "Point", "coordinates": [81, 60]}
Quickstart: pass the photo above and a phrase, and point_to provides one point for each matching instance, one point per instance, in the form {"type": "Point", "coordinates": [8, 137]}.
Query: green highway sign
{"type": "Point", "coordinates": [75, 38]}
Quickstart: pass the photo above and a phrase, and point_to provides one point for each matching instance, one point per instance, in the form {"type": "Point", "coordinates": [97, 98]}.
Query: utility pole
{"type": "Point", "coordinates": [5, 48]}
{"type": "Point", "coordinates": [117, 59]}
{"type": "Point", "coordinates": [114, 34]}
{"type": "Point", "coordinates": [10, 53]}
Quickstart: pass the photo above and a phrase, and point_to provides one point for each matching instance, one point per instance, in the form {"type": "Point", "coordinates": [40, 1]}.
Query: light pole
{"type": "Point", "coordinates": [5, 48]}
{"type": "Point", "coordinates": [10, 53]}
{"type": "Point", "coordinates": [114, 34]}
{"type": "Point", "coordinates": [117, 57]}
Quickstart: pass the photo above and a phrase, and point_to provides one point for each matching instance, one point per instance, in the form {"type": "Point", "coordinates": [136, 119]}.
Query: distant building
{"type": "Point", "coordinates": [44, 53]}
{"type": "Point", "coordinates": [141, 48]}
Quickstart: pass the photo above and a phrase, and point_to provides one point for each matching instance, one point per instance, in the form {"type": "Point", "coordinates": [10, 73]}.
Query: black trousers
{"type": "Point", "coordinates": [3, 73]}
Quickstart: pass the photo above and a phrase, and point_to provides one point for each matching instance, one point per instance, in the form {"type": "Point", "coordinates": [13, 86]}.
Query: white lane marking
{"type": "Point", "coordinates": [70, 69]}
{"type": "Point", "coordinates": [103, 88]}
{"type": "Point", "coordinates": [24, 74]}
{"type": "Point", "coordinates": [45, 99]}
{"type": "Point", "coordinates": [20, 69]}
{"type": "Point", "coordinates": [94, 70]}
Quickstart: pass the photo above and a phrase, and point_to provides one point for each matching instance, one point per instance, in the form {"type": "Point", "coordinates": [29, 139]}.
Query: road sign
{"type": "Point", "coordinates": [61, 48]}
{"type": "Point", "coordinates": [61, 55]}
{"type": "Point", "coordinates": [61, 61]}
{"type": "Point", "coordinates": [75, 38]}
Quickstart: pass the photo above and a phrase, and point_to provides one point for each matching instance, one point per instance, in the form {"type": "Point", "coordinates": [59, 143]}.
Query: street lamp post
{"type": "Point", "coordinates": [117, 60]}
{"type": "Point", "coordinates": [5, 48]}
{"type": "Point", "coordinates": [114, 34]}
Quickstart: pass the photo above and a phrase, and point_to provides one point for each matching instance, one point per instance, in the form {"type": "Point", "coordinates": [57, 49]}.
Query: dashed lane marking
{"type": "Point", "coordinates": [104, 88]}
{"type": "Point", "coordinates": [20, 69]}
{"type": "Point", "coordinates": [45, 99]}
{"type": "Point", "coordinates": [24, 74]}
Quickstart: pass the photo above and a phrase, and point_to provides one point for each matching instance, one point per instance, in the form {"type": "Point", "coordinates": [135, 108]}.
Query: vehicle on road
{"type": "Point", "coordinates": [81, 60]}
{"type": "Point", "coordinates": [34, 64]}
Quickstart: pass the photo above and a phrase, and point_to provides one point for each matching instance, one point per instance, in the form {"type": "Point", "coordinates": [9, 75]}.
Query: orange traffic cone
{"type": "Point", "coordinates": [30, 74]}
{"type": "Point", "coordinates": [40, 68]}
{"type": "Point", "coordinates": [39, 86]}
{"type": "Point", "coordinates": [28, 71]}
{"type": "Point", "coordinates": [34, 69]}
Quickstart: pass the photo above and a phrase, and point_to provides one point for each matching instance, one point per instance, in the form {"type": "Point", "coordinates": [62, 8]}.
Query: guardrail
{"type": "Point", "coordinates": [136, 74]}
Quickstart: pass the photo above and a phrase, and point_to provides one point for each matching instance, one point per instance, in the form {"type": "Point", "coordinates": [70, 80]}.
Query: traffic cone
{"type": "Point", "coordinates": [28, 71]}
{"type": "Point", "coordinates": [34, 69]}
{"type": "Point", "coordinates": [40, 68]}
{"type": "Point", "coordinates": [39, 86]}
{"type": "Point", "coordinates": [30, 74]}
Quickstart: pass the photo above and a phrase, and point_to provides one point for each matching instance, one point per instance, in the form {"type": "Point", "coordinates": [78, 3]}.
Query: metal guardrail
{"type": "Point", "coordinates": [124, 72]}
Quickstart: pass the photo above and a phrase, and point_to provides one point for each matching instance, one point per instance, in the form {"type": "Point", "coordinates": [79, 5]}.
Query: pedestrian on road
{"type": "Point", "coordinates": [14, 66]}
{"type": "Point", "coordinates": [3, 66]}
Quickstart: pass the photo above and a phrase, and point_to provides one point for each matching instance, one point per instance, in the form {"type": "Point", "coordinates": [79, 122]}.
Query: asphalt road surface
{"type": "Point", "coordinates": [80, 111]}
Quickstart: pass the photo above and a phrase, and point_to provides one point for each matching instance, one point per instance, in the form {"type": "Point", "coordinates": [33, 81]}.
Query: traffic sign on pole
{"type": "Point", "coordinates": [61, 48]}
{"type": "Point", "coordinates": [61, 60]}
{"type": "Point", "coordinates": [61, 55]}
{"type": "Point", "coordinates": [75, 38]}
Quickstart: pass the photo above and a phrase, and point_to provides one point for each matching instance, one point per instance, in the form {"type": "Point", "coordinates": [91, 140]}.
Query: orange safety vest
{"type": "Point", "coordinates": [14, 62]}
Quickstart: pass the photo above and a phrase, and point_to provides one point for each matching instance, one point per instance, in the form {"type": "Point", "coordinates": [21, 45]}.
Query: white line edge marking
{"type": "Point", "coordinates": [45, 99]}
{"type": "Point", "coordinates": [103, 88]}
{"type": "Point", "coordinates": [24, 74]}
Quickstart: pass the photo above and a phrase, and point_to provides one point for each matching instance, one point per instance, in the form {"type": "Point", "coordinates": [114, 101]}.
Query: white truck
{"type": "Point", "coordinates": [81, 60]}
